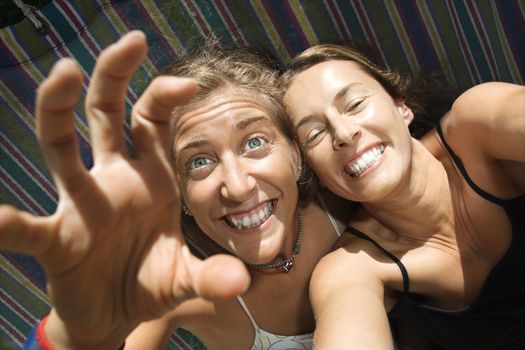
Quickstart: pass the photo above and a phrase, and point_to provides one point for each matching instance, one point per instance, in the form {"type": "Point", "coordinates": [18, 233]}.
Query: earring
{"type": "Point", "coordinates": [185, 210]}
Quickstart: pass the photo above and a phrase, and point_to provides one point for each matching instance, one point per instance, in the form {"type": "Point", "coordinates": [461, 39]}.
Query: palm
{"type": "Point", "coordinates": [117, 233]}
{"type": "Point", "coordinates": [113, 252]}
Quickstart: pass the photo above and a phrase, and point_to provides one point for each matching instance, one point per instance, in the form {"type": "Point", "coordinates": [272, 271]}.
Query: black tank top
{"type": "Point", "coordinates": [496, 319]}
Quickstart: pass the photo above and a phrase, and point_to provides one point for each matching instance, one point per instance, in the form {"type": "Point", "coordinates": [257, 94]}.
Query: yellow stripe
{"type": "Point", "coordinates": [13, 101]}
{"type": "Point", "coordinates": [160, 21]}
{"type": "Point", "coordinates": [270, 30]}
{"type": "Point", "coordinates": [436, 40]}
{"type": "Point", "coordinates": [21, 56]}
{"type": "Point", "coordinates": [122, 29]}
{"type": "Point", "coordinates": [304, 22]}
{"type": "Point", "coordinates": [15, 273]}
{"type": "Point", "coordinates": [403, 36]}
{"type": "Point", "coordinates": [506, 47]}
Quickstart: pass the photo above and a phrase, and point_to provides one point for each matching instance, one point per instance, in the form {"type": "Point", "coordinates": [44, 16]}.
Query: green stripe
{"type": "Point", "coordinates": [437, 43]}
{"type": "Point", "coordinates": [23, 179]}
{"type": "Point", "coordinates": [399, 28]}
{"type": "Point", "coordinates": [456, 59]}
{"type": "Point", "coordinates": [23, 290]}
{"type": "Point", "coordinates": [320, 22]}
{"type": "Point", "coordinates": [386, 35]}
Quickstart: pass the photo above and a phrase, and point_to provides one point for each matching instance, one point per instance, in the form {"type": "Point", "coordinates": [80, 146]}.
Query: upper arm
{"type": "Point", "coordinates": [348, 301]}
{"type": "Point", "coordinates": [490, 118]}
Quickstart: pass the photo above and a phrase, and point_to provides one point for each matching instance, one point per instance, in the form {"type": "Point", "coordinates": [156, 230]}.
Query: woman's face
{"type": "Point", "coordinates": [238, 174]}
{"type": "Point", "coordinates": [354, 135]}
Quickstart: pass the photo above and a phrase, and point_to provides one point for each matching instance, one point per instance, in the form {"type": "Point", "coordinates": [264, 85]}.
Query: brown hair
{"type": "Point", "coordinates": [427, 94]}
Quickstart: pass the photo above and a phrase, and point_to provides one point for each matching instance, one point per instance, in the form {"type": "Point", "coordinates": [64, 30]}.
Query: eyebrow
{"type": "Point", "coordinates": [241, 125]}
{"type": "Point", "coordinates": [247, 121]}
{"type": "Point", "coordinates": [342, 92]}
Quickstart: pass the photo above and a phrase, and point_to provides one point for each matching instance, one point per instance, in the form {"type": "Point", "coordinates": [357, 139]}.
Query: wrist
{"type": "Point", "coordinates": [51, 334]}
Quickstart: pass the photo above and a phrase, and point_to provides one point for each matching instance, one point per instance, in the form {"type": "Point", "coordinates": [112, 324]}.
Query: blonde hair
{"type": "Point", "coordinates": [215, 68]}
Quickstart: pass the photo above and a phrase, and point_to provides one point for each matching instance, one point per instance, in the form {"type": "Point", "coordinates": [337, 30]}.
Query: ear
{"type": "Point", "coordinates": [297, 160]}
{"type": "Point", "coordinates": [405, 111]}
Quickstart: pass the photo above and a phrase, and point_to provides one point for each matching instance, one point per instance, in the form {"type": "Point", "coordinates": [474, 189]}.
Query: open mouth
{"type": "Point", "coordinates": [365, 161]}
{"type": "Point", "coordinates": [252, 219]}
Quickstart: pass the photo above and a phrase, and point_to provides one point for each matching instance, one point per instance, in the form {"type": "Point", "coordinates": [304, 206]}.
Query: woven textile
{"type": "Point", "coordinates": [471, 41]}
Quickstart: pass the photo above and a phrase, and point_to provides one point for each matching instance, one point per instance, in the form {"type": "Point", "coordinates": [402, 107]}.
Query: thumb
{"type": "Point", "coordinates": [24, 233]}
{"type": "Point", "coordinates": [220, 277]}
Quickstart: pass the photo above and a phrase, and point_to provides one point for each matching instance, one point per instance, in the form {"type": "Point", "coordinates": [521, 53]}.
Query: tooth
{"type": "Point", "coordinates": [246, 221]}
{"type": "Point", "coordinates": [234, 221]}
{"type": "Point", "coordinates": [262, 214]}
{"type": "Point", "coordinates": [255, 219]}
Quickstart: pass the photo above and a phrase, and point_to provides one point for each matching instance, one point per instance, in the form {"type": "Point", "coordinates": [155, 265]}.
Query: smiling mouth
{"type": "Point", "coordinates": [254, 219]}
{"type": "Point", "coordinates": [365, 161]}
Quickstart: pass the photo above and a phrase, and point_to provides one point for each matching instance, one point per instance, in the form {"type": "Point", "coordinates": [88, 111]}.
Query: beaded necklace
{"type": "Point", "coordinates": [283, 265]}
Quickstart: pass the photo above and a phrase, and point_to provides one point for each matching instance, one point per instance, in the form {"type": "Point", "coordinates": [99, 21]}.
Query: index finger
{"type": "Point", "coordinates": [107, 92]}
{"type": "Point", "coordinates": [152, 113]}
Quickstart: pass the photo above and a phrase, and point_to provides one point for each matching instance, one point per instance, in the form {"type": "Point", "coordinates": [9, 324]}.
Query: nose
{"type": "Point", "coordinates": [345, 132]}
{"type": "Point", "coordinates": [237, 183]}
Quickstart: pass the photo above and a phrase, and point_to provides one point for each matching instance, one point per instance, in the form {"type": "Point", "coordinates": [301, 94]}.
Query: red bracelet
{"type": "Point", "coordinates": [41, 337]}
{"type": "Point", "coordinates": [43, 341]}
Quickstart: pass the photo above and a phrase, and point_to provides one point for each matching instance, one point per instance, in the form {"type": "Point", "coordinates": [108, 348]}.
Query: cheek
{"type": "Point", "coordinates": [197, 197]}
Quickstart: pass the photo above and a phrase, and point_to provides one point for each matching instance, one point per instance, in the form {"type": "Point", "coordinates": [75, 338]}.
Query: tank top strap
{"type": "Point", "coordinates": [463, 171]}
{"type": "Point", "coordinates": [330, 217]}
{"type": "Point", "coordinates": [404, 272]}
{"type": "Point", "coordinates": [245, 308]}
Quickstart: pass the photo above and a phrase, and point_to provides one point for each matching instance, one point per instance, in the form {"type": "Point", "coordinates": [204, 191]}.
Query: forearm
{"type": "Point", "coordinates": [339, 326]}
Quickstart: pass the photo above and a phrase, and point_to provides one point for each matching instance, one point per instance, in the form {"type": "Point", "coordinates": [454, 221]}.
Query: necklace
{"type": "Point", "coordinates": [283, 265]}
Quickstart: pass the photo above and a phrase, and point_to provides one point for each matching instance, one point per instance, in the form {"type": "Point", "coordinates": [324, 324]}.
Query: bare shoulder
{"type": "Point", "coordinates": [484, 105]}
{"type": "Point", "coordinates": [487, 98]}
{"type": "Point", "coordinates": [353, 262]}
{"type": "Point", "coordinates": [494, 109]}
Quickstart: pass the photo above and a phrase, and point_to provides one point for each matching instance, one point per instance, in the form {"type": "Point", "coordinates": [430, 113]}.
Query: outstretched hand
{"type": "Point", "coordinates": [113, 252]}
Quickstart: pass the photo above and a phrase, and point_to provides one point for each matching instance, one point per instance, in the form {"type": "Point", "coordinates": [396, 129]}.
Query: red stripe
{"type": "Point", "coordinates": [360, 11]}
{"type": "Point", "coordinates": [28, 167]}
{"type": "Point", "coordinates": [461, 37]}
{"type": "Point", "coordinates": [81, 27]}
{"type": "Point", "coordinates": [277, 24]}
{"type": "Point", "coordinates": [334, 11]}
{"type": "Point", "coordinates": [27, 200]}
{"type": "Point", "coordinates": [9, 301]}
{"type": "Point", "coordinates": [12, 331]}
{"type": "Point", "coordinates": [198, 18]}
{"type": "Point", "coordinates": [178, 341]}
{"type": "Point", "coordinates": [489, 53]}
{"type": "Point", "coordinates": [149, 23]}
{"type": "Point", "coordinates": [229, 21]}
{"type": "Point", "coordinates": [27, 274]}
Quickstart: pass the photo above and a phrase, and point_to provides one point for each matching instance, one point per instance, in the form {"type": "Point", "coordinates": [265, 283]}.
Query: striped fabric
{"type": "Point", "coordinates": [472, 41]}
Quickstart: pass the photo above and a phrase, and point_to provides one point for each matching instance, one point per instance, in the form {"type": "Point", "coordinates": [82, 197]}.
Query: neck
{"type": "Point", "coordinates": [419, 203]}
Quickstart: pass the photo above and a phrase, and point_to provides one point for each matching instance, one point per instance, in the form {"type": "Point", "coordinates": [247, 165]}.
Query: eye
{"type": "Point", "coordinates": [199, 162]}
{"type": "Point", "coordinates": [254, 142]}
{"type": "Point", "coordinates": [354, 105]}
{"type": "Point", "coordinates": [313, 136]}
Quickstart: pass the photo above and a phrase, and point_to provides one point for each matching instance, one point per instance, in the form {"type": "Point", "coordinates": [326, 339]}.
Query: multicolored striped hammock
{"type": "Point", "coordinates": [471, 41]}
